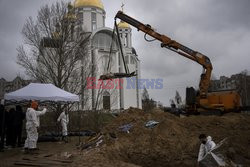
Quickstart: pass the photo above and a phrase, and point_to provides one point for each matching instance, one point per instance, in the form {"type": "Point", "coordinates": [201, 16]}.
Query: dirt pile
{"type": "Point", "coordinates": [173, 142]}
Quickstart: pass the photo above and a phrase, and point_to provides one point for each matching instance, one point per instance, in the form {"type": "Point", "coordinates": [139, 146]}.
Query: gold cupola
{"type": "Point", "coordinates": [89, 3]}
{"type": "Point", "coordinates": [123, 24]}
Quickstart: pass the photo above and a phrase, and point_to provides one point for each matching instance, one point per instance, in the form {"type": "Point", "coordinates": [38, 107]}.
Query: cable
{"type": "Point", "coordinates": [120, 46]}
{"type": "Point", "coordinates": [110, 51]}
{"type": "Point", "coordinates": [148, 40]}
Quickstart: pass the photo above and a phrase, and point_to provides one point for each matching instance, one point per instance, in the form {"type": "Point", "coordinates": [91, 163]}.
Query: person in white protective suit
{"type": "Point", "coordinates": [32, 123]}
{"type": "Point", "coordinates": [64, 119]}
{"type": "Point", "coordinates": [206, 146]}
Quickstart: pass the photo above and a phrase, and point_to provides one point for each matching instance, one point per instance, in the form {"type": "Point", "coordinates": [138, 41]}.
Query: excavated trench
{"type": "Point", "coordinates": [174, 141]}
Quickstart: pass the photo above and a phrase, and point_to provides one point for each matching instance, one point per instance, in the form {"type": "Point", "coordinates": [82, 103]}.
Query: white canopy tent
{"type": "Point", "coordinates": [41, 92]}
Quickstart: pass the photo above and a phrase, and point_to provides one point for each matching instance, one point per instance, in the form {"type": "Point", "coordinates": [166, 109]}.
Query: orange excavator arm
{"type": "Point", "coordinates": [176, 47]}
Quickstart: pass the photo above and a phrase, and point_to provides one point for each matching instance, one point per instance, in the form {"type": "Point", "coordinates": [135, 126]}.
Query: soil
{"type": "Point", "coordinates": [47, 151]}
{"type": "Point", "coordinates": [173, 142]}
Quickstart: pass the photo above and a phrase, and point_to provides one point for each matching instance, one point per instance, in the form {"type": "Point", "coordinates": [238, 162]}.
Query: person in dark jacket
{"type": "Point", "coordinates": [2, 126]}
{"type": "Point", "coordinates": [10, 127]}
{"type": "Point", "coordinates": [18, 118]}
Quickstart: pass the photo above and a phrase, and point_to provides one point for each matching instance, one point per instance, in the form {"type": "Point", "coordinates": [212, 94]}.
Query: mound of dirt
{"type": "Point", "coordinates": [173, 142]}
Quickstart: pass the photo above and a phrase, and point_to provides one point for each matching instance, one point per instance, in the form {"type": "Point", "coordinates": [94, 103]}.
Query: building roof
{"type": "Point", "coordinates": [2, 79]}
{"type": "Point", "coordinates": [17, 78]}
{"type": "Point", "coordinates": [91, 3]}
{"type": "Point", "coordinates": [123, 24]}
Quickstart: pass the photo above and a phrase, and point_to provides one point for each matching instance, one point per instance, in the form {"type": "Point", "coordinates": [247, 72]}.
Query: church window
{"type": "Point", "coordinates": [126, 59]}
{"type": "Point", "coordinates": [119, 59]}
{"type": "Point", "coordinates": [103, 41]}
{"type": "Point", "coordinates": [132, 60]}
{"type": "Point", "coordinates": [93, 20]}
{"type": "Point", "coordinates": [103, 19]}
{"type": "Point", "coordinates": [106, 100]}
{"type": "Point", "coordinates": [126, 40]}
{"type": "Point", "coordinates": [80, 17]}
{"type": "Point", "coordinates": [105, 61]}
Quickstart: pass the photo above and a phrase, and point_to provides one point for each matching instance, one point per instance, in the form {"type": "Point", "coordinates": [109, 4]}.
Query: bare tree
{"type": "Point", "coordinates": [178, 99]}
{"type": "Point", "coordinates": [147, 103]}
{"type": "Point", "coordinates": [145, 95]}
{"type": "Point", "coordinates": [54, 49]}
{"type": "Point", "coordinates": [172, 103]}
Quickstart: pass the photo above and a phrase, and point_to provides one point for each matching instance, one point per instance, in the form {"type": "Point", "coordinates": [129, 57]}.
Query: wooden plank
{"type": "Point", "coordinates": [48, 159]}
{"type": "Point", "coordinates": [61, 160]}
{"type": "Point", "coordinates": [48, 155]}
{"type": "Point", "coordinates": [25, 164]}
{"type": "Point", "coordinates": [39, 163]}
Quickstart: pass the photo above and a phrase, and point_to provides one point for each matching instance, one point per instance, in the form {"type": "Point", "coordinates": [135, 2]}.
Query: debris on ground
{"type": "Point", "coordinates": [151, 124]}
{"type": "Point", "coordinates": [126, 127]}
{"type": "Point", "coordinates": [94, 141]}
{"type": "Point", "coordinates": [66, 155]}
{"type": "Point", "coordinates": [42, 160]}
{"type": "Point", "coordinates": [173, 142]}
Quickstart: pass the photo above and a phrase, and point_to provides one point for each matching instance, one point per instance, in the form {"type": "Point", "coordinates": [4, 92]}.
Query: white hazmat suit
{"type": "Point", "coordinates": [206, 148]}
{"type": "Point", "coordinates": [64, 119]}
{"type": "Point", "coordinates": [32, 123]}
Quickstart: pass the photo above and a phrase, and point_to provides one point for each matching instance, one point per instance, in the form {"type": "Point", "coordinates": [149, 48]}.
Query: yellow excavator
{"type": "Point", "coordinates": [197, 101]}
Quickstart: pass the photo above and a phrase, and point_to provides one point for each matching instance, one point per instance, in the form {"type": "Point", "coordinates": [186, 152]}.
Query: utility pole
{"type": "Point", "coordinates": [82, 87]}
{"type": "Point", "coordinates": [246, 98]}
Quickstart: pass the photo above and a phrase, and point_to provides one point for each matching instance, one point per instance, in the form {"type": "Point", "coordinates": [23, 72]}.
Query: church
{"type": "Point", "coordinates": [105, 53]}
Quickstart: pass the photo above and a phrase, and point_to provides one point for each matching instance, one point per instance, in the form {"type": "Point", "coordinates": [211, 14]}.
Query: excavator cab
{"type": "Point", "coordinates": [191, 96]}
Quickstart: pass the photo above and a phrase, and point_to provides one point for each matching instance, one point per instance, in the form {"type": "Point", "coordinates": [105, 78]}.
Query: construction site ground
{"type": "Point", "coordinates": [173, 142]}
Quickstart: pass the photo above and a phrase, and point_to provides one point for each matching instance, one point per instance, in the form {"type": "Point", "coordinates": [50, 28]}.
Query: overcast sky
{"type": "Point", "coordinates": [219, 29]}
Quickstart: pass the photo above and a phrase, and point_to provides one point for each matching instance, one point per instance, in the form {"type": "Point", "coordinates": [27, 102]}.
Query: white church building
{"type": "Point", "coordinates": [124, 92]}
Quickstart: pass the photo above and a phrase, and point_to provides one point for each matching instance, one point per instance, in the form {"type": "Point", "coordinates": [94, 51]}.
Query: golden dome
{"type": "Point", "coordinates": [123, 24]}
{"type": "Point", "coordinates": [92, 3]}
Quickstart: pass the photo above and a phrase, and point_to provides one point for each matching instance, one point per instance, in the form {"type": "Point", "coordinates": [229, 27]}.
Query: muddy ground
{"type": "Point", "coordinates": [173, 142]}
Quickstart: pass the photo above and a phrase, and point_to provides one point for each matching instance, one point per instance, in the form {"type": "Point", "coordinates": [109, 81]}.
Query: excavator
{"type": "Point", "coordinates": [199, 101]}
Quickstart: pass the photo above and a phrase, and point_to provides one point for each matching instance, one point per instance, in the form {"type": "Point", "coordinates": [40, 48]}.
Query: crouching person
{"type": "Point", "coordinates": [32, 123]}
{"type": "Point", "coordinates": [207, 145]}
{"type": "Point", "coordinates": [64, 119]}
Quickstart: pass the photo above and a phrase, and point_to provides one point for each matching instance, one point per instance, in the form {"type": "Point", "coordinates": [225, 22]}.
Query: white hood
{"type": "Point", "coordinates": [209, 138]}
